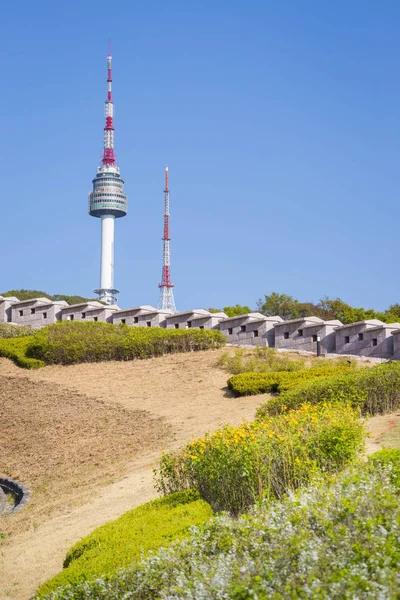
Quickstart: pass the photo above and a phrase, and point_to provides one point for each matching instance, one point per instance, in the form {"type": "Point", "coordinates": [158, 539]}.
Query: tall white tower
{"type": "Point", "coordinates": [107, 200]}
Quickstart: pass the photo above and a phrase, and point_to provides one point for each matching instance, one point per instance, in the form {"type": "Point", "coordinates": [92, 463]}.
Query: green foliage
{"type": "Point", "coordinates": [238, 309]}
{"type": "Point", "coordinates": [394, 310]}
{"type": "Point", "coordinates": [7, 330]}
{"type": "Point", "coordinates": [68, 343]}
{"type": "Point", "coordinates": [249, 384]}
{"type": "Point", "coordinates": [261, 360]}
{"type": "Point", "coordinates": [284, 306]}
{"type": "Point", "coordinates": [388, 458]}
{"type": "Point", "coordinates": [16, 348]}
{"type": "Point", "coordinates": [121, 542]}
{"type": "Point", "coordinates": [235, 466]}
{"type": "Point", "coordinates": [337, 539]}
{"type": "Point", "coordinates": [288, 307]}
{"type": "Point", "coordinates": [28, 294]}
{"type": "Point", "coordinates": [374, 390]}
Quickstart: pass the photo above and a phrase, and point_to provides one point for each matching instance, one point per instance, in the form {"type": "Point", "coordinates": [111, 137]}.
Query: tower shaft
{"type": "Point", "coordinates": [107, 252]}
{"type": "Point", "coordinates": [166, 299]}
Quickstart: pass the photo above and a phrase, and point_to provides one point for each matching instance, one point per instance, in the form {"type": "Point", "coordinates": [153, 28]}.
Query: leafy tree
{"type": "Point", "coordinates": [394, 311]}
{"type": "Point", "coordinates": [283, 306]}
{"type": "Point", "coordinates": [238, 309]}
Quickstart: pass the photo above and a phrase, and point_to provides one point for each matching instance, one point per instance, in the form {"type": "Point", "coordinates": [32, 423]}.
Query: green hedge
{"type": "Point", "coordinates": [15, 349]}
{"type": "Point", "coordinates": [250, 384]}
{"type": "Point", "coordinates": [374, 390]}
{"type": "Point", "coordinates": [68, 343]}
{"type": "Point", "coordinates": [336, 540]}
{"type": "Point", "coordinates": [121, 542]}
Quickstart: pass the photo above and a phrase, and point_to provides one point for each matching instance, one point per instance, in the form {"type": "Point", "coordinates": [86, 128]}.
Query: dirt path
{"type": "Point", "coordinates": [186, 391]}
{"type": "Point", "coordinates": [377, 428]}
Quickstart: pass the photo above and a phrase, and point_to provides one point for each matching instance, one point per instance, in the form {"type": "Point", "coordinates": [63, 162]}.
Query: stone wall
{"type": "Point", "coordinates": [131, 316]}
{"type": "Point", "coordinates": [184, 320]}
{"type": "Point", "coordinates": [290, 334]}
{"type": "Point", "coordinates": [350, 338]}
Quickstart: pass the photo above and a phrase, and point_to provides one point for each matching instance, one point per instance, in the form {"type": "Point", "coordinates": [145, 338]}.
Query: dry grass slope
{"type": "Point", "coordinates": [63, 444]}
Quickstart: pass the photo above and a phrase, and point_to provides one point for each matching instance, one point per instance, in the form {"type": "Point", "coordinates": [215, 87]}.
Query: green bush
{"type": "Point", "coordinates": [374, 390]}
{"type": "Point", "coordinates": [337, 540]}
{"type": "Point", "coordinates": [15, 349]}
{"type": "Point", "coordinates": [259, 360]}
{"type": "Point", "coordinates": [249, 384]}
{"type": "Point", "coordinates": [121, 542]}
{"type": "Point", "coordinates": [7, 330]}
{"type": "Point", "coordinates": [68, 343]}
{"type": "Point", "coordinates": [235, 466]}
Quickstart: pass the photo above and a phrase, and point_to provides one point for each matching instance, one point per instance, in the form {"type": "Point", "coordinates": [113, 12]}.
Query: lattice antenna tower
{"type": "Point", "coordinates": [166, 299]}
{"type": "Point", "coordinates": [107, 200]}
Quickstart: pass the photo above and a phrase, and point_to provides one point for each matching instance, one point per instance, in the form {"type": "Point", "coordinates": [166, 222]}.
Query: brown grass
{"type": "Point", "coordinates": [62, 444]}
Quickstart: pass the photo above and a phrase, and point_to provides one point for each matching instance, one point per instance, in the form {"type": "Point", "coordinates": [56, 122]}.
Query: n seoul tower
{"type": "Point", "coordinates": [108, 201]}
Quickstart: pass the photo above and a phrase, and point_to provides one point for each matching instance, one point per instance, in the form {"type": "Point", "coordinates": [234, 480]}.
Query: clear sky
{"type": "Point", "coordinates": [279, 121]}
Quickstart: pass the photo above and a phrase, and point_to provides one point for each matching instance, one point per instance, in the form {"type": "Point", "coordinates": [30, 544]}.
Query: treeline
{"type": "Point", "coordinates": [327, 308]}
{"type": "Point", "coordinates": [28, 294]}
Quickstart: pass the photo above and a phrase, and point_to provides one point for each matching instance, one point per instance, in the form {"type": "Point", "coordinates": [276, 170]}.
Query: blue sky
{"type": "Point", "coordinates": [280, 123]}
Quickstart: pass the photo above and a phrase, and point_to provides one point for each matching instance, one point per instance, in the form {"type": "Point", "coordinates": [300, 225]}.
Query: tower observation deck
{"type": "Point", "coordinates": [107, 200]}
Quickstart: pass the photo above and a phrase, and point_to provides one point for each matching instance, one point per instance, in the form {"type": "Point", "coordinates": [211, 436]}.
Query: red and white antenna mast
{"type": "Point", "coordinates": [166, 300]}
{"type": "Point", "coordinates": [108, 153]}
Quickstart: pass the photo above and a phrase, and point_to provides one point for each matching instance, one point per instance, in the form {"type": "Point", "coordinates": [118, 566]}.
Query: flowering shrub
{"type": "Point", "coordinates": [248, 384]}
{"type": "Point", "coordinates": [235, 466]}
{"type": "Point", "coordinates": [118, 543]}
{"type": "Point", "coordinates": [68, 343]}
{"type": "Point", "coordinates": [374, 390]}
{"type": "Point", "coordinates": [337, 541]}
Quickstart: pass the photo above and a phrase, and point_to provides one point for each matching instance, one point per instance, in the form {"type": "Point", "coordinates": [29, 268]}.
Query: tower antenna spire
{"type": "Point", "coordinates": [108, 152]}
{"type": "Point", "coordinates": [166, 300]}
{"type": "Point", "coordinates": [107, 200]}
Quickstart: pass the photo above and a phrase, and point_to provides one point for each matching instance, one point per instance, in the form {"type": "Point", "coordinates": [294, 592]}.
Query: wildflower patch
{"type": "Point", "coordinates": [236, 466]}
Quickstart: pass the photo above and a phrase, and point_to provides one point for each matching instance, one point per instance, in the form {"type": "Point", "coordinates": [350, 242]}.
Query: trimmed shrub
{"type": "Point", "coordinates": [15, 349]}
{"type": "Point", "coordinates": [338, 541]}
{"type": "Point", "coordinates": [68, 343]}
{"type": "Point", "coordinates": [121, 542]}
{"type": "Point", "coordinates": [236, 466]}
{"type": "Point", "coordinates": [250, 384]}
{"type": "Point", "coordinates": [374, 390]}
{"type": "Point", "coordinates": [7, 330]}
